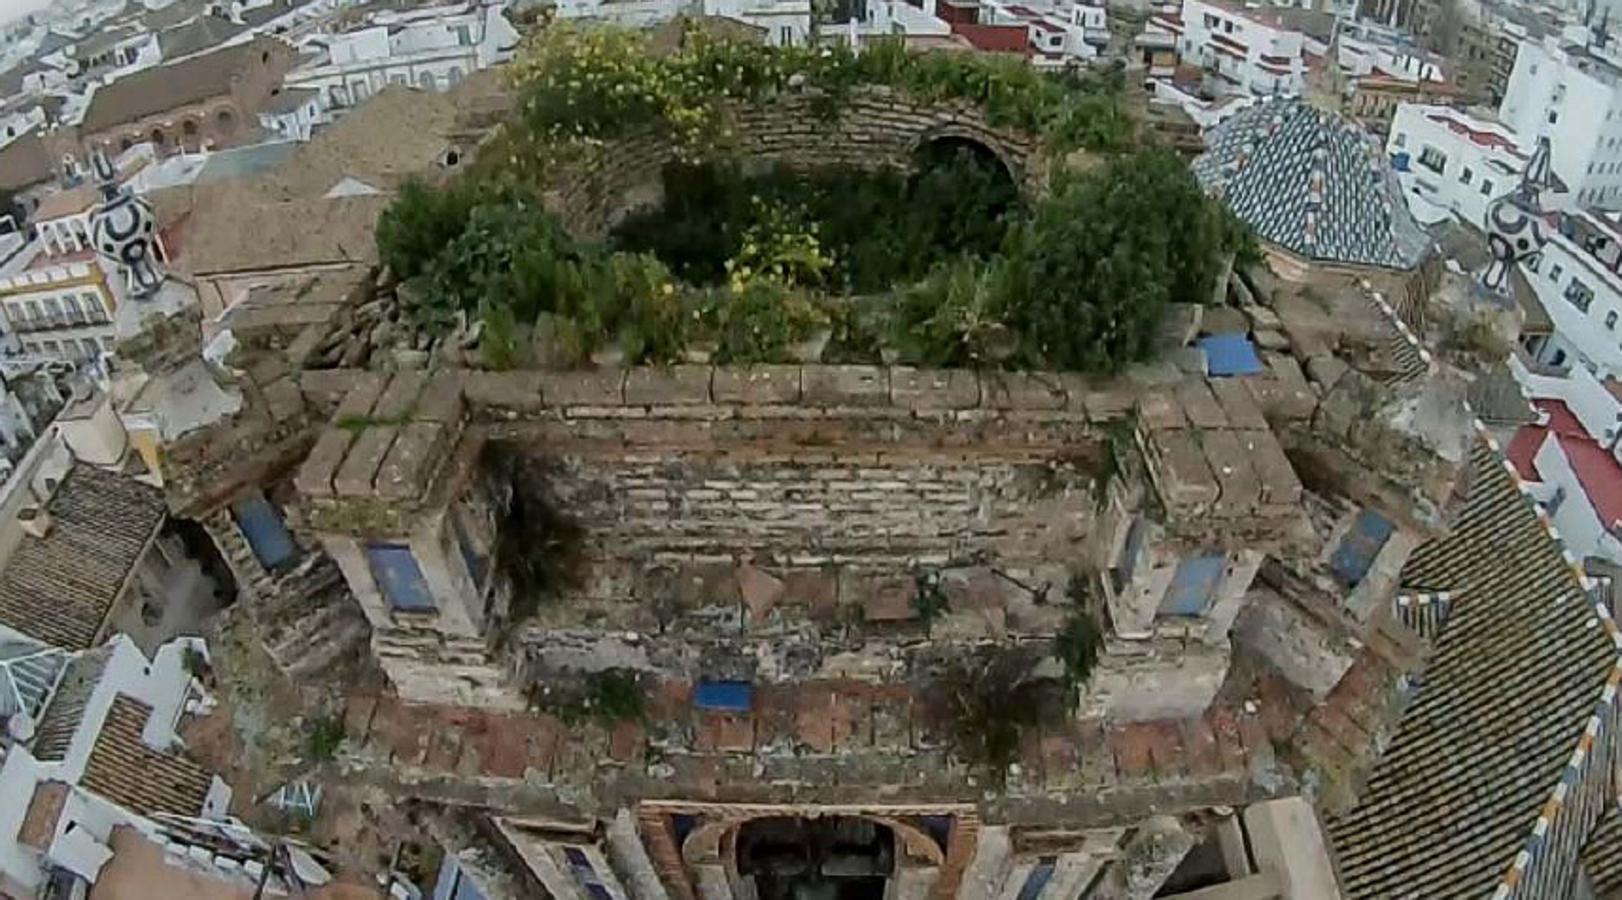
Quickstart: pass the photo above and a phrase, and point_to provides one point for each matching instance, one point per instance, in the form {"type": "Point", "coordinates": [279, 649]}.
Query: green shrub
{"type": "Point", "coordinates": [324, 736]}
{"type": "Point", "coordinates": [603, 82]}
{"type": "Point", "coordinates": [419, 223]}
{"type": "Point", "coordinates": [1105, 255]}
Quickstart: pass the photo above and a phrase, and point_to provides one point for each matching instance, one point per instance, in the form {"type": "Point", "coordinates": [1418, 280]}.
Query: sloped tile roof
{"type": "Point", "coordinates": [58, 589]}
{"type": "Point", "coordinates": [123, 769]}
{"type": "Point", "coordinates": [62, 716]}
{"type": "Point", "coordinates": [1504, 702]}
{"type": "Point", "coordinates": [166, 87]}
{"type": "Point", "coordinates": [1313, 183]}
{"type": "Point", "coordinates": [1602, 854]}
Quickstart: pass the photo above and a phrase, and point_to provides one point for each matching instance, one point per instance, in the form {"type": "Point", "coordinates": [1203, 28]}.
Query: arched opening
{"type": "Point", "coordinates": [225, 122]}
{"type": "Point", "coordinates": [189, 128]}
{"type": "Point", "coordinates": [425, 81]}
{"type": "Point", "coordinates": [453, 76]}
{"type": "Point", "coordinates": [825, 858]}
{"type": "Point", "coordinates": [125, 144]}
{"type": "Point", "coordinates": [157, 138]}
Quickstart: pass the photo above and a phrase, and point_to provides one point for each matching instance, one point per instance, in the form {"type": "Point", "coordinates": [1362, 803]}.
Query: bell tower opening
{"type": "Point", "coordinates": [826, 858]}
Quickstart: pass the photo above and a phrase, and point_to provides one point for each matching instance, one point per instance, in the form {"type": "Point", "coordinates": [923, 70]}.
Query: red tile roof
{"type": "Point", "coordinates": [1482, 138]}
{"type": "Point", "coordinates": [1598, 471]}
{"type": "Point", "coordinates": [994, 38]}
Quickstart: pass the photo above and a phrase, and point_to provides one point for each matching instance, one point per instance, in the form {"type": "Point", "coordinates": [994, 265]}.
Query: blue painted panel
{"type": "Point", "coordinates": [453, 885]}
{"type": "Point", "coordinates": [1193, 586]}
{"type": "Point", "coordinates": [729, 696]}
{"type": "Point", "coordinates": [1038, 880]}
{"type": "Point", "coordinates": [267, 537]}
{"type": "Point", "coordinates": [399, 577]}
{"type": "Point", "coordinates": [1230, 354]}
{"type": "Point", "coordinates": [1351, 561]}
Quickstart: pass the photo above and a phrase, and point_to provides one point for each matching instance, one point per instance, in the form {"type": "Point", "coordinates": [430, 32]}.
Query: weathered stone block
{"type": "Point", "coordinates": [441, 400]}
{"type": "Point", "coordinates": [514, 391]}
{"type": "Point", "coordinates": [326, 385]}
{"type": "Point", "coordinates": [672, 386]}
{"type": "Point", "coordinates": [1160, 411]}
{"type": "Point", "coordinates": [761, 591]}
{"type": "Point", "coordinates": [404, 472]}
{"type": "Point", "coordinates": [1279, 485]}
{"type": "Point", "coordinates": [362, 396]}
{"type": "Point", "coordinates": [1199, 405]}
{"type": "Point", "coordinates": [1237, 403]}
{"type": "Point", "coordinates": [845, 385]}
{"type": "Point", "coordinates": [400, 396]}
{"type": "Point", "coordinates": [934, 389]}
{"type": "Point", "coordinates": [1185, 479]}
{"type": "Point", "coordinates": [314, 478]}
{"type": "Point", "coordinates": [1230, 463]}
{"type": "Point", "coordinates": [757, 385]}
{"type": "Point", "coordinates": [1022, 390]}
{"type": "Point", "coordinates": [359, 469]}
{"type": "Point", "coordinates": [284, 399]}
{"type": "Point", "coordinates": [600, 387]}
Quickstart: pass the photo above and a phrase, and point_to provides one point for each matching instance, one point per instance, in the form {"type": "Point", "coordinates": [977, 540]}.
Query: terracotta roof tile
{"type": "Point", "coordinates": [1504, 701]}
{"type": "Point", "coordinates": [124, 770]}
{"type": "Point", "coordinates": [162, 88]}
{"type": "Point", "coordinates": [60, 588]}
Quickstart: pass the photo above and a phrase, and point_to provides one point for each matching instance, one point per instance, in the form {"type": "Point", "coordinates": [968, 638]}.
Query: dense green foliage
{"type": "Point", "coordinates": [946, 265]}
{"type": "Point", "coordinates": [876, 229]}
{"type": "Point", "coordinates": [605, 82]}
{"type": "Point", "coordinates": [1092, 273]}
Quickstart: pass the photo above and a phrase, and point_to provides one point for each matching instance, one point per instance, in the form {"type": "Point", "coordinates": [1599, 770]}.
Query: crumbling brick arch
{"type": "Point", "coordinates": [981, 139]}
{"type": "Point", "coordinates": [874, 128]}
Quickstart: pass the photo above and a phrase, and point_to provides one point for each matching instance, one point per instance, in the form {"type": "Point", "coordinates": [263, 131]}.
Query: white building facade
{"type": "Point", "coordinates": [1242, 49]}
{"type": "Point", "coordinates": [433, 48]}
{"type": "Point", "coordinates": [76, 841]}
{"type": "Point", "coordinates": [1571, 97]}
{"type": "Point", "coordinates": [1577, 282]}
{"type": "Point", "coordinates": [1451, 163]}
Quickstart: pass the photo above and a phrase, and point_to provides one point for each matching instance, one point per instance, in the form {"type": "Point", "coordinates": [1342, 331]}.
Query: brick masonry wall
{"type": "Point", "coordinates": [875, 128]}
{"type": "Point", "coordinates": [815, 487]}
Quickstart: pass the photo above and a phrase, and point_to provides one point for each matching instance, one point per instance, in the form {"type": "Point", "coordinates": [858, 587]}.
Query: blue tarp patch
{"type": "Point", "coordinates": [1193, 586]}
{"type": "Point", "coordinates": [267, 536]}
{"type": "Point", "coordinates": [1351, 561]}
{"type": "Point", "coordinates": [729, 696]}
{"type": "Point", "coordinates": [399, 577]}
{"type": "Point", "coordinates": [1230, 354]}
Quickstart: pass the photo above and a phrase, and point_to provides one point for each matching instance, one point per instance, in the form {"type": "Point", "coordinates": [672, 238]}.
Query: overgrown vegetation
{"type": "Point", "coordinates": [535, 545]}
{"type": "Point", "coordinates": [607, 697]}
{"type": "Point", "coordinates": [946, 266]}
{"type": "Point", "coordinates": [990, 699]}
{"type": "Point", "coordinates": [600, 83]}
{"type": "Point", "coordinates": [324, 735]}
{"type": "Point", "coordinates": [1077, 646]}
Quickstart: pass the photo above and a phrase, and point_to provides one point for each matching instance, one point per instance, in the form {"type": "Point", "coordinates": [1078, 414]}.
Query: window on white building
{"type": "Point", "coordinates": [1554, 273]}
{"type": "Point", "coordinates": [70, 305]}
{"type": "Point", "coordinates": [33, 311]}
{"type": "Point", "coordinates": [93, 307]}
{"type": "Point", "coordinates": [1486, 188]}
{"type": "Point", "coordinates": [53, 310]}
{"type": "Point", "coordinates": [1433, 159]}
{"type": "Point", "coordinates": [1532, 263]}
{"type": "Point", "coordinates": [1610, 320]}
{"type": "Point", "coordinates": [1466, 175]}
{"type": "Point", "coordinates": [463, 36]}
{"type": "Point", "coordinates": [88, 347]}
{"type": "Point", "coordinates": [785, 35]}
{"type": "Point", "coordinates": [1553, 117]}
{"type": "Point", "coordinates": [1402, 139]}
{"type": "Point", "coordinates": [52, 347]}
{"type": "Point", "coordinates": [1579, 294]}
{"type": "Point", "coordinates": [30, 346]}
{"type": "Point", "coordinates": [1210, 21]}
